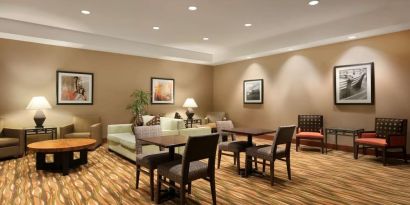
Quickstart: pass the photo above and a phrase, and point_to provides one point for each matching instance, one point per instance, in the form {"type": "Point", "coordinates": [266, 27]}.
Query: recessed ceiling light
{"type": "Point", "coordinates": [85, 12]}
{"type": "Point", "coordinates": [192, 8]}
{"type": "Point", "coordinates": [352, 37]}
{"type": "Point", "coordinates": [313, 2]}
{"type": "Point", "coordinates": [155, 28]}
{"type": "Point", "coordinates": [248, 25]}
{"type": "Point", "coordinates": [205, 38]}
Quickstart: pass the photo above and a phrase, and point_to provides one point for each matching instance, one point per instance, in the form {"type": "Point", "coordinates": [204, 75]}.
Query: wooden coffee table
{"type": "Point", "coordinates": [63, 151]}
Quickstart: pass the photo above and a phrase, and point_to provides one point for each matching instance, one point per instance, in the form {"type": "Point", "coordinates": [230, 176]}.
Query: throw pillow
{"type": "Point", "coordinates": [154, 121]}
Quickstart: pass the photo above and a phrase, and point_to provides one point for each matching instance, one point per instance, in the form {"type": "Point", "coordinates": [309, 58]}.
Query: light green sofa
{"type": "Point", "coordinates": [121, 139]}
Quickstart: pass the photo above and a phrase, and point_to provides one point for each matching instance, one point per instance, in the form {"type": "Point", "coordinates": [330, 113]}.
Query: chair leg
{"type": "Point", "coordinates": [288, 167]}
{"type": "Point", "coordinates": [297, 144]}
{"type": "Point", "coordinates": [213, 189]}
{"type": "Point", "coordinates": [323, 146]}
{"type": "Point", "coordinates": [234, 159]}
{"type": "Point", "coordinates": [272, 172]}
{"type": "Point", "coordinates": [404, 154]}
{"type": "Point", "coordinates": [364, 150]}
{"type": "Point", "coordinates": [376, 152]}
{"type": "Point", "coordinates": [263, 166]}
{"type": "Point", "coordinates": [384, 156]}
{"type": "Point", "coordinates": [182, 194]}
{"type": "Point", "coordinates": [137, 180]}
{"type": "Point", "coordinates": [238, 162]}
{"type": "Point", "coordinates": [256, 163]}
{"type": "Point", "coordinates": [151, 183]}
{"type": "Point", "coordinates": [356, 150]}
{"type": "Point", "coordinates": [157, 195]}
{"type": "Point", "coordinates": [219, 158]}
{"type": "Point", "coordinates": [189, 187]}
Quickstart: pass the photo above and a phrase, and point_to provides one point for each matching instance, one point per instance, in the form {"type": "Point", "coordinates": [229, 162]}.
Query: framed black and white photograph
{"type": "Point", "coordinates": [253, 91]}
{"type": "Point", "coordinates": [354, 84]}
{"type": "Point", "coordinates": [162, 91]}
{"type": "Point", "coordinates": [74, 88]}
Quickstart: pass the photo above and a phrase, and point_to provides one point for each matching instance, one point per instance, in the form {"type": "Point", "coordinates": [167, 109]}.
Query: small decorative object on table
{"type": "Point", "coordinates": [38, 103]}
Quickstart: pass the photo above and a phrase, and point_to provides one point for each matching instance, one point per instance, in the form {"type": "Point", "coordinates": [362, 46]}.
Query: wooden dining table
{"type": "Point", "coordinates": [250, 133]}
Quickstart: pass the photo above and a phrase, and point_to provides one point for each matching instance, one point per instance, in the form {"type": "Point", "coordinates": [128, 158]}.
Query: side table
{"type": "Point", "coordinates": [342, 131]}
{"type": "Point", "coordinates": [52, 131]}
{"type": "Point", "coordinates": [189, 122]}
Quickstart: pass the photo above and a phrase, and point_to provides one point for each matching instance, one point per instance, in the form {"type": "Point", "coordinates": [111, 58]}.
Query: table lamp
{"type": "Point", "coordinates": [39, 103]}
{"type": "Point", "coordinates": [190, 103]}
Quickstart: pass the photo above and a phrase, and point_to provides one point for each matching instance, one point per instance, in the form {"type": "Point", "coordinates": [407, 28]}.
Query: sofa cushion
{"type": "Point", "coordinates": [128, 142]}
{"type": "Point", "coordinates": [77, 135]}
{"type": "Point", "coordinates": [118, 136]}
{"type": "Point", "coordinates": [8, 142]}
{"type": "Point", "coordinates": [147, 118]}
{"type": "Point", "coordinates": [171, 123]}
{"type": "Point", "coordinates": [195, 131]}
{"type": "Point", "coordinates": [309, 135]}
{"type": "Point", "coordinates": [169, 132]}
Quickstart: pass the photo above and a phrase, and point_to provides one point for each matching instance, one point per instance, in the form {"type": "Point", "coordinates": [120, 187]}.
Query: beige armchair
{"type": "Point", "coordinates": [11, 142]}
{"type": "Point", "coordinates": [85, 126]}
{"type": "Point", "coordinates": [212, 117]}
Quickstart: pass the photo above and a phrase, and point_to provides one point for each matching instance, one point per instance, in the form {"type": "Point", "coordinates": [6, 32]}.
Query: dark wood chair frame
{"type": "Point", "coordinates": [310, 127]}
{"type": "Point", "coordinates": [387, 136]}
{"type": "Point", "coordinates": [197, 148]}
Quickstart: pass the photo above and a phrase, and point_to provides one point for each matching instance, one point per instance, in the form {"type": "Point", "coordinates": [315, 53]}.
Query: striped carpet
{"type": "Point", "coordinates": [316, 179]}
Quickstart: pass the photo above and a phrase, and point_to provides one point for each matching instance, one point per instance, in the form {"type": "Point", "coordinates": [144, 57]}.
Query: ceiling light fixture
{"type": "Point", "coordinates": [85, 12]}
{"type": "Point", "coordinates": [352, 37]}
{"type": "Point", "coordinates": [205, 38]}
{"type": "Point", "coordinates": [248, 25]}
{"type": "Point", "coordinates": [192, 8]}
{"type": "Point", "coordinates": [155, 28]}
{"type": "Point", "coordinates": [313, 2]}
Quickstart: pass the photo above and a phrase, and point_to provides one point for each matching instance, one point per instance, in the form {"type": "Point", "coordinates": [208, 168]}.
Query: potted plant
{"type": "Point", "coordinates": [138, 106]}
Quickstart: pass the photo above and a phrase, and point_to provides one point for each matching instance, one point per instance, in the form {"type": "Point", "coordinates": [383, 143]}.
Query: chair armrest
{"type": "Point", "coordinates": [66, 130]}
{"type": "Point", "coordinates": [367, 134]}
{"type": "Point", "coordinates": [15, 133]}
{"type": "Point", "coordinates": [119, 128]}
{"type": "Point", "coordinates": [396, 140]}
{"type": "Point", "coordinates": [96, 133]}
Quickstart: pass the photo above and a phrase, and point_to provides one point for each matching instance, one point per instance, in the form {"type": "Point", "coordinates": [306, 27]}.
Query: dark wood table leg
{"type": "Point", "coordinates": [248, 162]}
{"type": "Point", "coordinates": [326, 140]}
{"type": "Point", "coordinates": [65, 162]}
{"type": "Point", "coordinates": [40, 160]}
{"type": "Point", "coordinates": [83, 156]}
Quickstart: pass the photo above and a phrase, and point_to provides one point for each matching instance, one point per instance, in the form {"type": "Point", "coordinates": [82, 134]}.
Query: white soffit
{"type": "Point", "coordinates": [125, 27]}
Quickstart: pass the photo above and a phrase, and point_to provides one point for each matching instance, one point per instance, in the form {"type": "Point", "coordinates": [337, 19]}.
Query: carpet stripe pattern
{"type": "Point", "coordinates": [335, 178]}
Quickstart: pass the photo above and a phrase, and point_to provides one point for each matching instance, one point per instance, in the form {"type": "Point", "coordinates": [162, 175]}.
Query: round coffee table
{"type": "Point", "coordinates": [63, 151]}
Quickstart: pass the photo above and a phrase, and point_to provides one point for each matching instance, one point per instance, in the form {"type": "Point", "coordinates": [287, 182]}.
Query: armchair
{"type": "Point", "coordinates": [11, 142]}
{"type": "Point", "coordinates": [389, 133]}
{"type": "Point", "coordinates": [84, 127]}
{"type": "Point", "coordinates": [310, 127]}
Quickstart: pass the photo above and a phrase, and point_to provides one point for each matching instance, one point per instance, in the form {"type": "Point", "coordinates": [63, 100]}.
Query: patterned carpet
{"type": "Point", "coordinates": [316, 179]}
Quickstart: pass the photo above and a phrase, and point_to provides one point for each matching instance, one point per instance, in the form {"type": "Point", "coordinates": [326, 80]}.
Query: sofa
{"type": "Point", "coordinates": [121, 139]}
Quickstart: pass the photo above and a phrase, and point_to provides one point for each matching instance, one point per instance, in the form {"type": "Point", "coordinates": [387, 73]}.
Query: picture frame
{"type": "Point", "coordinates": [354, 84]}
{"type": "Point", "coordinates": [162, 90]}
{"type": "Point", "coordinates": [253, 91]}
{"type": "Point", "coordinates": [74, 88]}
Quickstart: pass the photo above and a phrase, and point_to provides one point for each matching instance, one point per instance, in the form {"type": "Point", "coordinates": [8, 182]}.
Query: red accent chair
{"type": "Point", "coordinates": [310, 127]}
{"type": "Point", "coordinates": [389, 133]}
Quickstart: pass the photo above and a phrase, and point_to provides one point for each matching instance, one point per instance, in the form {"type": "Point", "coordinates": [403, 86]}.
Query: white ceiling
{"type": "Point", "coordinates": [125, 26]}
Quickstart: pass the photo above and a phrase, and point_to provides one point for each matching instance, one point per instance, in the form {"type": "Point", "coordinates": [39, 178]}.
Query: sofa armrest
{"type": "Point", "coordinates": [119, 128]}
{"type": "Point", "coordinates": [16, 133]}
{"type": "Point", "coordinates": [96, 133]}
{"type": "Point", "coordinates": [66, 130]}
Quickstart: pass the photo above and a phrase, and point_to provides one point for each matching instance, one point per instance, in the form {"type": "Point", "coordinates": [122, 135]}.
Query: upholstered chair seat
{"type": "Point", "coordinates": [265, 151]}
{"type": "Point", "coordinates": [173, 170]}
{"type": "Point", "coordinates": [7, 142]}
{"type": "Point", "coordinates": [234, 146]}
{"type": "Point", "coordinates": [11, 142]}
{"type": "Point", "coordinates": [310, 127]}
{"type": "Point", "coordinates": [313, 135]}
{"type": "Point", "coordinates": [151, 161]}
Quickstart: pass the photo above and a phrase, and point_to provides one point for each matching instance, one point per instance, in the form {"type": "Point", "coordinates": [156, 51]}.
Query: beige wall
{"type": "Point", "coordinates": [301, 82]}
{"type": "Point", "coordinates": [28, 69]}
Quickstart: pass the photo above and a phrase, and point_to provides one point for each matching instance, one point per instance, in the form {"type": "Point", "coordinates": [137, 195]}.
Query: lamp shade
{"type": "Point", "coordinates": [190, 103]}
{"type": "Point", "coordinates": [38, 103]}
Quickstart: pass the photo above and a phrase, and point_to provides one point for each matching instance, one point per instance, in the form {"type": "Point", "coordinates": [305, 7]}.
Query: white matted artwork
{"type": "Point", "coordinates": [253, 91]}
{"type": "Point", "coordinates": [354, 84]}
{"type": "Point", "coordinates": [74, 88]}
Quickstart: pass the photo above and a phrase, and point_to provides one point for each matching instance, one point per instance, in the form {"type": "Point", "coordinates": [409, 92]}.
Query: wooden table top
{"type": "Point", "coordinates": [167, 141]}
{"type": "Point", "coordinates": [249, 131]}
{"type": "Point", "coordinates": [61, 145]}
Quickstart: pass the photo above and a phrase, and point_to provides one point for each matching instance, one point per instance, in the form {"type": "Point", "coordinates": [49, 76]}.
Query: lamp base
{"type": "Point", "coordinates": [190, 114]}
{"type": "Point", "coordinates": [39, 119]}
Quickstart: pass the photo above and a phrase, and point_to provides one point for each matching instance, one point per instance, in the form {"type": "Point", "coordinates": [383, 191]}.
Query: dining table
{"type": "Point", "coordinates": [250, 133]}
{"type": "Point", "coordinates": [170, 142]}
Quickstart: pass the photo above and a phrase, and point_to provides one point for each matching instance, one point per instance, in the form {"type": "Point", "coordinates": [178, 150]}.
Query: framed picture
{"type": "Point", "coordinates": [162, 91]}
{"type": "Point", "coordinates": [253, 91]}
{"type": "Point", "coordinates": [74, 88]}
{"type": "Point", "coordinates": [354, 84]}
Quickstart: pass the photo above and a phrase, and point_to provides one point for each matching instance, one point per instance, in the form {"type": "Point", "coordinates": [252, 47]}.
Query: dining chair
{"type": "Point", "coordinates": [149, 161]}
{"type": "Point", "coordinates": [275, 152]}
{"type": "Point", "coordinates": [236, 147]}
{"type": "Point", "coordinates": [191, 168]}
